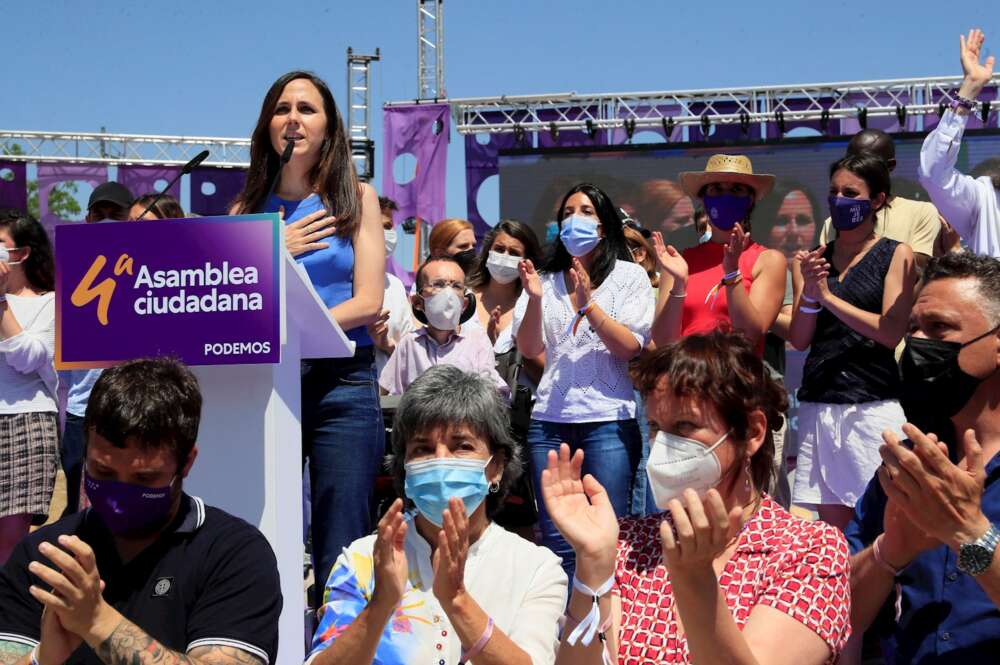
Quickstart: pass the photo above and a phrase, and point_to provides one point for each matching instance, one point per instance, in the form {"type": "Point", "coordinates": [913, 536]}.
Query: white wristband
{"type": "Point", "coordinates": [810, 310]}
{"type": "Point", "coordinates": [34, 656]}
{"type": "Point", "coordinates": [809, 300]}
{"type": "Point", "coordinates": [588, 627]}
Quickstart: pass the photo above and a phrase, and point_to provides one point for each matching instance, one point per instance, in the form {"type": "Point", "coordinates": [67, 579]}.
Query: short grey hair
{"type": "Point", "coordinates": [444, 395]}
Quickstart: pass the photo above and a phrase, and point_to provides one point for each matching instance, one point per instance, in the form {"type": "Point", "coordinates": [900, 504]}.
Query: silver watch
{"type": "Point", "coordinates": [976, 557]}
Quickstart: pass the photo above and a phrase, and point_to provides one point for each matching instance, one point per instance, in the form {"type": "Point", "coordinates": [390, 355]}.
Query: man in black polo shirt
{"type": "Point", "coordinates": [148, 574]}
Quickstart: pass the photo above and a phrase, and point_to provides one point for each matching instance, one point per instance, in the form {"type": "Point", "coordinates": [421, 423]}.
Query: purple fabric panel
{"type": "Point", "coordinates": [851, 126]}
{"type": "Point", "coordinates": [50, 175]}
{"type": "Point", "coordinates": [14, 193]}
{"type": "Point", "coordinates": [141, 180]}
{"type": "Point", "coordinates": [410, 130]}
{"type": "Point", "coordinates": [573, 138]}
{"type": "Point", "coordinates": [718, 132]}
{"type": "Point", "coordinates": [228, 184]}
{"type": "Point", "coordinates": [975, 120]}
{"type": "Point", "coordinates": [795, 105]}
{"type": "Point", "coordinates": [620, 136]}
{"type": "Point", "coordinates": [481, 162]}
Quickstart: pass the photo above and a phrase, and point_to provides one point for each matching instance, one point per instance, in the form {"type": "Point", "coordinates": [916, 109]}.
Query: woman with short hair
{"type": "Point", "coordinates": [443, 582]}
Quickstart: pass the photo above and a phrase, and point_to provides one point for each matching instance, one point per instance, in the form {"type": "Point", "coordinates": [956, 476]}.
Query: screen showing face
{"type": "Point", "coordinates": [645, 183]}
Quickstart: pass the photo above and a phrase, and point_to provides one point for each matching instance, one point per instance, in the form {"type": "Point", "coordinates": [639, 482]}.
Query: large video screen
{"type": "Point", "coordinates": [644, 181]}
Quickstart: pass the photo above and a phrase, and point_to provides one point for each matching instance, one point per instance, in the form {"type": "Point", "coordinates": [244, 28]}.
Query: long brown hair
{"type": "Point", "coordinates": [333, 177]}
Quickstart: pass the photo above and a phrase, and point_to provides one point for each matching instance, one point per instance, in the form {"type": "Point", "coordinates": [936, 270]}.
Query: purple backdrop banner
{"type": "Point", "coordinates": [141, 180]}
{"type": "Point", "coordinates": [14, 192]}
{"type": "Point", "coordinates": [570, 138]}
{"type": "Point", "coordinates": [411, 130]}
{"type": "Point", "coordinates": [205, 290]}
{"type": "Point", "coordinates": [227, 183]}
{"type": "Point", "coordinates": [792, 106]}
{"type": "Point", "coordinates": [50, 175]}
{"type": "Point", "coordinates": [851, 126]}
{"type": "Point", "coordinates": [620, 136]}
{"type": "Point", "coordinates": [481, 162]}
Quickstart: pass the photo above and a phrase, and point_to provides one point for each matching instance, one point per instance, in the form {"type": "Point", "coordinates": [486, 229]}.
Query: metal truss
{"type": "Point", "coordinates": [430, 49]}
{"type": "Point", "coordinates": [102, 148]}
{"type": "Point", "coordinates": [740, 106]}
{"type": "Point", "coordinates": [359, 115]}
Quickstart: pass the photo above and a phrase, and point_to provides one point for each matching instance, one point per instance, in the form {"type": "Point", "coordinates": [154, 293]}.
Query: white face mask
{"type": "Point", "coordinates": [390, 241]}
{"type": "Point", "coordinates": [677, 463]}
{"type": "Point", "coordinates": [503, 267]}
{"type": "Point", "coordinates": [444, 309]}
{"type": "Point", "coordinates": [705, 237]}
{"type": "Point", "coordinates": [5, 253]}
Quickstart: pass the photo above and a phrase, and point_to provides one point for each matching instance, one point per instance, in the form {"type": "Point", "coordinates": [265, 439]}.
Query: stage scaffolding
{"type": "Point", "coordinates": [119, 149]}
{"type": "Point", "coordinates": [750, 108]}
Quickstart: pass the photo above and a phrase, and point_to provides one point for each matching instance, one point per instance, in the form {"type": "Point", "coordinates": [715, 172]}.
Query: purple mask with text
{"type": "Point", "coordinates": [127, 508]}
{"type": "Point", "coordinates": [847, 213]}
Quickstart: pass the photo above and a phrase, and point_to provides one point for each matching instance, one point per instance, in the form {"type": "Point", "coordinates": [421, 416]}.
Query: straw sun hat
{"type": "Point", "coordinates": [727, 168]}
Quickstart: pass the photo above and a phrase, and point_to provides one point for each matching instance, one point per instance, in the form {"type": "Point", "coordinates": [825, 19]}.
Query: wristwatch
{"type": "Point", "coordinates": [976, 557]}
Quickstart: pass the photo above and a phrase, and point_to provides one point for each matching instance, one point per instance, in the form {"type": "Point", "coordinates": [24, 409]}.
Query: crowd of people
{"type": "Point", "coordinates": [630, 393]}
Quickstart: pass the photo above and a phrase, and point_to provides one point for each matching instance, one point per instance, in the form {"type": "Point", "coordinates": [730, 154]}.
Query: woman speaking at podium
{"type": "Point", "coordinates": [334, 229]}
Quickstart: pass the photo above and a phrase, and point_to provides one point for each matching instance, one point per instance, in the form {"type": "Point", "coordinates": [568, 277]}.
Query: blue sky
{"type": "Point", "coordinates": [201, 68]}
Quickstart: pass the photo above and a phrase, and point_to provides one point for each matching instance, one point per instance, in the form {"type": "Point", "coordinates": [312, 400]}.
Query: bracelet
{"type": "Point", "coordinates": [810, 310]}
{"type": "Point", "coordinates": [34, 655]}
{"type": "Point", "coordinates": [671, 294]}
{"type": "Point", "coordinates": [581, 314]}
{"type": "Point", "coordinates": [809, 300]}
{"type": "Point", "coordinates": [877, 555]}
{"type": "Point", "coordinates": [963, 102]}
{"type": "Point", "coordinates": [3, 297]}
{"type": "Point", "coordinates": [587, 628]}
{"type": "Point", "coordinates": [478, 646]}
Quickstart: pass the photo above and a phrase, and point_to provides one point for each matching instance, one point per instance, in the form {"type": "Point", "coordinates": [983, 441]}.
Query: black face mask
{"type": "Point", "coordinates": [934, 386]}
{"type": "Point", "coordinates": [466, 260]}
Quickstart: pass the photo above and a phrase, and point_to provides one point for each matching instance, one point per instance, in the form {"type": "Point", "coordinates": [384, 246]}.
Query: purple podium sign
{"type": "Point", "coordinates": [204, 290]}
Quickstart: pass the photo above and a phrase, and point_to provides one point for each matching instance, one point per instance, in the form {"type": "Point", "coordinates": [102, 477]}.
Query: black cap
{"type": "Point", "coordinates": [110, 192]}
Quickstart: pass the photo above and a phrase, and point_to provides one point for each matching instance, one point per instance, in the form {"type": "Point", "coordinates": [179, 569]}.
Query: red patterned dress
{"type": "Point", "coordinates": [795, 566]}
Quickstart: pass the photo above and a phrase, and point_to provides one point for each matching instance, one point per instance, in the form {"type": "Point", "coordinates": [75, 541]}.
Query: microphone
{"type": "Point", "coordinates": [187, 168]}
{"type": "Point", "coordinates": [286, 154]}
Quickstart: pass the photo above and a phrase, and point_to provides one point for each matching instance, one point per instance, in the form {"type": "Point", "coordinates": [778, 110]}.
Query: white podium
{"type": "Point", "coordinates": [250, 441]}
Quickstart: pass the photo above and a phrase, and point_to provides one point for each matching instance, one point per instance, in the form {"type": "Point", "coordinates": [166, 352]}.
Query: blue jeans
{"type": "Point", "coordinates": [611, 453]}
{"type": "Point", "coordinates": [344, 439]}
{"type": "Point", "coordinates": [71, 449]}
{"type": "Point", "coordinates": [643, 502]}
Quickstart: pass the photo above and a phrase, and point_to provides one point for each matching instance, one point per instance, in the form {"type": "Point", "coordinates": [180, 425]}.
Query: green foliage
{"type": "Point", "coordinates": [62, 198]}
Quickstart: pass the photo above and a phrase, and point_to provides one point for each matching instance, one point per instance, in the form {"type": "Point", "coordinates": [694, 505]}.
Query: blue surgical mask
{"type": "Point", "coordinates": [705, 237]}
{"type": "Point", "coordinates": [725, 210]}
{"type": "Point", "coordinates": [847, 213]}
{"type": "Point", "coordinates": [579, 234]}
{"type": "Point", "coordinates": [431, 483]}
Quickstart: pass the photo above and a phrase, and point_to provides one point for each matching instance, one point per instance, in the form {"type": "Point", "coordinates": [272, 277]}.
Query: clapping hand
{"type": "Point", "coordinates": [391, 568]}
{"type": "Point", "coordinates": [581, 283]}
{"type": "Point", "coordinates": [702, 529]}
{"type": "Point", "coordinates": [530, 280]}
{"type": "Point", "coordinates": [815, 271]}
{"type": "Point", "coordinates": [449, 557]}
{"type": "Point", "coordinates": [738, 242]}
{"type": "Point", "coordinates": [493, 327]}
{"type": "Point", "coordinates": [581, 510]}
{"type": "Point", "coordinates": [669, 260]}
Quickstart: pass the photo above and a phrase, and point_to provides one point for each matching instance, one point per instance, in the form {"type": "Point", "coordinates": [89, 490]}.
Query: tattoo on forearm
{"type": "Point", "coordinates": [12, 652]}
{"type": "Point", "coordinates": [130, 645]}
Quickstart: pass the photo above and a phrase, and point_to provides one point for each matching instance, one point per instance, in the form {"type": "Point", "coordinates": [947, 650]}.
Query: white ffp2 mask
{"type": "Point", "coordinates": [677, 463]}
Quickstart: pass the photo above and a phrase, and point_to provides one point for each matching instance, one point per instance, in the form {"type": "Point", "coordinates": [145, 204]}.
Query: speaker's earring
{"type": "Point", "coordinates": [494, 487]}
{"type": "Point", "coordinates": [749, 475]}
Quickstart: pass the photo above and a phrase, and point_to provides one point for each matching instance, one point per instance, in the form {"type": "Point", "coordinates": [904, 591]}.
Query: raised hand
{"type": "Point", "coordinates": [304, 235]}
{"type": "Point", "coordinates": [702, 529]}
{"type": "Point", "coordinates": [493, 327]}
{"type": "Point", "coordinates": [975, 72]}
{"type": "Point", "coordinates": [669, 260]}
{"type": "Point", "coordinates": [581, 282]}
{"type": "Point", "coordinates": [530, 280]}
{"type": "Point", "coordinates": [815, 271]}
{"type": "Point", "coordinates": [450, 555]}
{"type": "Point", "coordinates": [378, 330]}
{"type": "Point", "coordinates": [391, 569]}
{"type": "Point", "coordinates": [582, 512]}
{"type": "Point", "coordinates": [738, 242]}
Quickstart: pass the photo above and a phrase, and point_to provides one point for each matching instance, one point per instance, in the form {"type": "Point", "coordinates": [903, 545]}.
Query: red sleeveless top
{"type": "Point", "coordinates": [703, 309]}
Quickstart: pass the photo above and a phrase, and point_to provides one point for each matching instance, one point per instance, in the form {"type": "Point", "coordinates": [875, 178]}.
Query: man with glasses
{"type": "Point", "coordinates": [443, 304]}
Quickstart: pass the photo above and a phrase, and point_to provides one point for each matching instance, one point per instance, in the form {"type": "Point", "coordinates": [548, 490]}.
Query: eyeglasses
{"type": "Point", "coordinates": [440, 284]}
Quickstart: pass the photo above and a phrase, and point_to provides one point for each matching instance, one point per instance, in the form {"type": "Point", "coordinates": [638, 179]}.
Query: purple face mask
{"type": "Point", "coordinates": [725, 210]}
{"type": "Point", "coordinates": [127, 508]}
{"type": "Point", "coordinates": [847, 214]}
